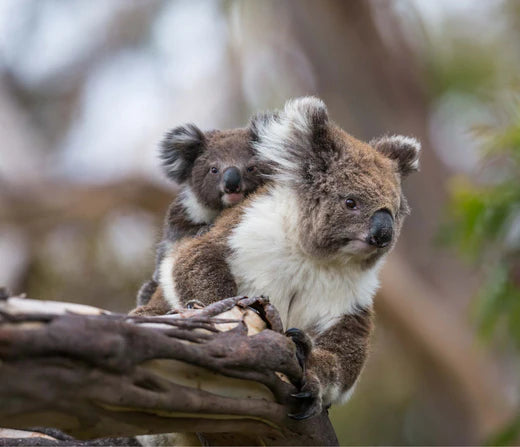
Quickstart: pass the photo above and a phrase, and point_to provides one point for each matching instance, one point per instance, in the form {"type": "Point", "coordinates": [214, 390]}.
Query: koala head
{"type": "Point", "coordinates": [220, 167]}
{"type": "Point", "coordinates": [349, 195]}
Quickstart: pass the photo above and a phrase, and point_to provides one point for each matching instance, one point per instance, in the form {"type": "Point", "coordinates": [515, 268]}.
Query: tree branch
{"type": "Point", "coordinates": [226, 370]}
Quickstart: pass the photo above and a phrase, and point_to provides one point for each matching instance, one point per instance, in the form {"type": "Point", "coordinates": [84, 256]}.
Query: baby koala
{"type": "Point", "coordinates": [215, 170]}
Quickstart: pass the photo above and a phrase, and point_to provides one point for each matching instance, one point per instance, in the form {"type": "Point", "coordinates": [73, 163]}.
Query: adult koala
{"type": "Point", "coordinates": [313, 240]}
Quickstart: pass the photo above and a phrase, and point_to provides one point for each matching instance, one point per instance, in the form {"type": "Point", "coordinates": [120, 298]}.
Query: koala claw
{"type": "Point", "coordinates": [301, 416]}
{"type": "Point", "coordinates": [302, 395]}
{"type": "Point", "coordinates": [195, 304]}
{"type": "Point", "coordinates": [202, 231]}
{"type": "Point", "coordinates": [308, 400]}
{"type": "Point", "coordinates": [303, 344]}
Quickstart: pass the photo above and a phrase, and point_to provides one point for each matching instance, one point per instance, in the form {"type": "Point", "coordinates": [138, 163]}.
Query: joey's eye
{"type": "Point", "coordinates": [251, 169]}
{"type": "Point", "coordinates": [213, 170]}
{"type": "Point", "coordinates": [351, 204]}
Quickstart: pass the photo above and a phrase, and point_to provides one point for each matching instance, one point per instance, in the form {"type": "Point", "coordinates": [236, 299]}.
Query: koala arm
{"type": "Point", "coordinates": [199, 271]}
{"type": "Point", "coordinates": [332, 361]}
{"type": "Point", "coordinates": [338, 355]}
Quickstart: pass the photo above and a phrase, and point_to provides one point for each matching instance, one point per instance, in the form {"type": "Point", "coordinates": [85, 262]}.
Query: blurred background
{"type": "Point", "coordinates": [87, 89]}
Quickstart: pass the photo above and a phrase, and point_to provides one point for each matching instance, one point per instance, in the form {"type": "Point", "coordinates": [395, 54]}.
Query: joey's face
{"type": "Point", "coordinates": [228, 170]}
{"type": "Point", "coordinates": [353, 205]}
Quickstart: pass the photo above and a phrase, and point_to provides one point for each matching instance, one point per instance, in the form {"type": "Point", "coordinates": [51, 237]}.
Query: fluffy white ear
{"type": "Point", "coordinates": [285, 138]}
{"type": "Point", "coordinates": [179, 149]}
{"type": "Point", "coordinates": [306, 113]}
{"type": "Point", "coordinates": [404, 150]}
{"type": "Point", "coordinates": [258, 122]}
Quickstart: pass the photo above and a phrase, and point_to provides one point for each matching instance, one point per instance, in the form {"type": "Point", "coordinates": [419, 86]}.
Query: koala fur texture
{"type": "Point", "coordinates": [215, 170]}
{"type": "Point", "coordinates": [312, 239]}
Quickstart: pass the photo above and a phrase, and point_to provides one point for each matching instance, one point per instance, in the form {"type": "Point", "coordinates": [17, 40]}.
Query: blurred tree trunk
{"type": "Point", "coordinates": [370, 78]}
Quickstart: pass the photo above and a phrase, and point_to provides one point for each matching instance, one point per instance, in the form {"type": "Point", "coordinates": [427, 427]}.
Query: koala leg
{"type": "Point", "coordinates": [146, 291]}
{"type": "Point", "coordinates": [156, 305]}
{"type": "Point", "coordinates": [333, 364]}
{"type": "Point", "coordinates": [200, 272]}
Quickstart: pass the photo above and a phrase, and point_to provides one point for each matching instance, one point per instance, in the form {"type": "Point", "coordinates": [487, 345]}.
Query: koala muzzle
{"type": "Point", "coordinates": [381, 229]}
{"type": "Point", "coordinates": [232, 179]}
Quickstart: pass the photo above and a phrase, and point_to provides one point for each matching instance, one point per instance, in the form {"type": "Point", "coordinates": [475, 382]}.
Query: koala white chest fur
{"type": "Point", "coordinates": [197, 212]}
{"type": "Point", "coordinates": [268, 260]}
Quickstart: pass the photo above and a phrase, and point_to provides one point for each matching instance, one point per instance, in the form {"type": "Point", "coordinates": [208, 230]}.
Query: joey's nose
{"type": "Point", "coordinates": [381, 229]}
{"type": "Point", "coordinates": [232, 179]}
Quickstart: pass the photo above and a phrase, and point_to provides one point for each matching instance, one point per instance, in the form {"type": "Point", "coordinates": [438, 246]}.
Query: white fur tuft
{"type": "Point", "coordinates": [300, 111]}
{"type": "Point", "coordinates": [342, 398]}
{"type": "Point", "coordinates": [172, 168]}
{"type": "Point", "coordinates": [411, 143]}
{"type": "Point", "coordinates": [189, 135]}
{"type": "Point", "coordinates": [282, 134]}
{"type": "Point", "coordinates": [166, 278]}
{"type": "Point", "coordinates": [403, 140]}
{"type": "Point", "coordinates": [197, 212]}
{"type": "Point", "coordinates": [405, 150]}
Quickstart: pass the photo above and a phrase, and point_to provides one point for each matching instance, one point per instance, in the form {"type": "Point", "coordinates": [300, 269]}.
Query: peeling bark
{"type": "Point", "coordinates": [226, 371]}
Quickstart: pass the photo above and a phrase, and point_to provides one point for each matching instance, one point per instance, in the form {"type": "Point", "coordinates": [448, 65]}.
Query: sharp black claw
{"type": "Point", "coordinates": [293, 332]}
{"type": "Point", "coordinates": [302, 395]}
{"type": "Point", "coordinates": [300, 339]}
{"type": "Point", "coordinates": [301, 416]}
{"type": "Point", "coordinates": [302, 342]}
{"type": "Point", "coordinates": [256, 311]}
{"type": "Point", "coordinates": [195, 304]}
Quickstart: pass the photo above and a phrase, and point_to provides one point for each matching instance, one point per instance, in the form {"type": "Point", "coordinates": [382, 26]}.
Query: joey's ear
{"type": "Point", "coordinates": [404, 150]}
{"type": "Point", "coordinates": [179, 149]}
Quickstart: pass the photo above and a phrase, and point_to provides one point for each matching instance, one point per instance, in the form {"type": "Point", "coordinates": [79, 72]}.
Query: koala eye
{"type": "Point", "coordinates": [251, 169]}
{"type": "Point", "coordinates": [213, 170]}
{"type": "Point", "coordinates": [351, 204]}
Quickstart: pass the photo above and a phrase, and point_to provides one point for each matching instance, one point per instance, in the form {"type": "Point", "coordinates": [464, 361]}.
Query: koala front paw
{"type": "Point", "coordinates": [308, 399]}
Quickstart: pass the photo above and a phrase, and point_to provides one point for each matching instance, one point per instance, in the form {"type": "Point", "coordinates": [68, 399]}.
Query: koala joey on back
{"type": "Point", "coordinates": [312, 239]}
{"type": "Point", "coordinates": [215, 170]}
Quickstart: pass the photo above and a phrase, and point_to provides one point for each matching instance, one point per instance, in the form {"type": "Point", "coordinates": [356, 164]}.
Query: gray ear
{"type": "Point", "coordinates": [179, 149]}
{"type": "Point", "coordinates": [404, 150]}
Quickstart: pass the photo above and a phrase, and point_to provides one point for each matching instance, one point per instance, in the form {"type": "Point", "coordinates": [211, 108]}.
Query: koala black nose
{"type": "Point", "coordinates": [232, 179]}
{"type": "Point", "coordinates": [381, 229]}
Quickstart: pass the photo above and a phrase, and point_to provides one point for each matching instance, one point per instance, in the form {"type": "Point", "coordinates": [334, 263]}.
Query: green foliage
{"type": "Point", "coordinates": [485, 226]}
{"type": "Point", "coordinates": [507, 436]}
{"type": "Point", "coordinates": [463, 66]}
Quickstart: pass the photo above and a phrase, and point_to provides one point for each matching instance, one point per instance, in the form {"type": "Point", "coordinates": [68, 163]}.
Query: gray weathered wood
{"type": "Point", "coordinates": [226, 371]}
